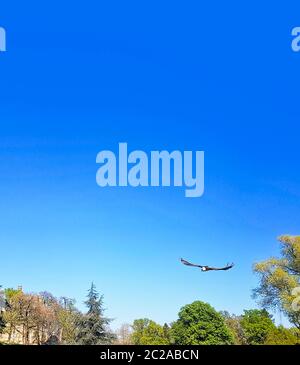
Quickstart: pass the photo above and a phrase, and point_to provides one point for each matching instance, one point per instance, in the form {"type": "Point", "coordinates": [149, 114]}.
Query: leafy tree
{"type": "Point", "coordinates": [296, 333]}
{"type": "Point", "coordinates": [68, 320]}
{"type": "Point", "coordinates": [10, 293]}
{"type": "Point", "coordinates": [278, 277]}
{"type": "Point", "coordinates": [22, 315]}
{"type": "Point", "coordinates": [68, 316]}
{"type": "Point", "coordinates": [138, 328]}
{"type": "Point", "coordinates": [200, 324]}
{"type": "Point", "coordinates": [93, 326]}
{"type": "Point", "coordinates": [42, 318]}
{"type": "Point", "coordinates": [256, 325]}
{"type": "Point", "coordinates": [167, 332]}
{"type": "Point", "coordinates": [147, 332]}
{"type": "Point", "coordinates": [281, 336]}
{"type": "Point", "coordinates": [32, 318]}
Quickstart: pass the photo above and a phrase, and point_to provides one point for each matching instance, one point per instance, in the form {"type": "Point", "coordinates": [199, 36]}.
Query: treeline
{"type": "Point", "coordinates": [201, 324]}
{"type": "Point", "coordinates": [43, 319]}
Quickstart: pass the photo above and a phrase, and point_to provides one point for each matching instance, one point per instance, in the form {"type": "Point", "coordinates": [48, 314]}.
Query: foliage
{"type": "Point", "coordinates": [281, 336]}
{"type": "Point", "coordinates": [28, 315]}
{"type": "Point", "coordinates": [42, 318]}
{"type": "Point", "coordinates": [167, 332]}
{"type": "Point", "coordinates": [68, 316]}
{"type": "Point", "coordinates": [147, 332]}
{"type": "Point", "coordinates": [256, 325]}
{"type": "Point", "coordinates": [278, 277]}
{"type": "Point", "coordinates": [10, 293]}
{"type": "Point", "coordinates": [200, 324]}
{"type": "Point", "coordinates": [93, 326]}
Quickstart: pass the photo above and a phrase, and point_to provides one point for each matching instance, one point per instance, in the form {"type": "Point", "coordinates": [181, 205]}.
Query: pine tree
{"type": "Point", "coordinates": [93, 326]}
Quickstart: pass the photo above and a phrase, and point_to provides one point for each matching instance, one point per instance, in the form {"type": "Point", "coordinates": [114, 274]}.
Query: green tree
{"type": "Point", "coordinates": [256, 325]}
{"type": "Point", "coordinates": [10, 293]}
{"type": "Point", "coordinates": [281, 336]}
{"type": "Point", "coordinates": [296, 332]}
{"type": "Point", "coordinates": [278, 277]}
{"type": "Point", "coordinates": [93, 326]}
{"type": "Point", "coordinates": [200, 324]}
{"type": "Point", "coordinates": [167, 332]}
{"type": "Point", "coordinates": [147, 332]}
{"type": "Point", "coordinates": [68, 316]}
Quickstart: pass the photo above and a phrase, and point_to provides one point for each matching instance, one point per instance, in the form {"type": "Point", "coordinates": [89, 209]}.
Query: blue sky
{"type": "Point", "coordinates": [80, 78]}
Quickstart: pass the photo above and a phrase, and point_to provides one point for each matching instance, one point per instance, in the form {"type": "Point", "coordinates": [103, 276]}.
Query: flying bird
{"type": "Point", "coordinates": [207, 268]}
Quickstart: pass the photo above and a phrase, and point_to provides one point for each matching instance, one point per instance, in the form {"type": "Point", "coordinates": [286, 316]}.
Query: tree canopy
{"type": "Point", "coordinates": [279, 278]}
{"type": "Point", "coordinates": [147, 332]}
{"type": "Point", "coordinates": [29, 318]}
{"type": "Point", "coordinates": [257, 325]}
{"type": "Point", "coordinates": [200, 324]}
{"type": "Point", "coordinates": [281, 336]}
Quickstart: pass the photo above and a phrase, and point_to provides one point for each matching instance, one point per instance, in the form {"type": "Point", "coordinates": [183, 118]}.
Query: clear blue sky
{"type": "Point", "coordinates": [80, 77]}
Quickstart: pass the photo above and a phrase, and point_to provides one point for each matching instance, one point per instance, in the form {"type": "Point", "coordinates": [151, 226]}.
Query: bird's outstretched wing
{"type": "Point", "coordinates": [190, 264]}
{"type": "Point", "coordinates": [227, 267]}
{"type": "Point", "coordinates": [208, 268]}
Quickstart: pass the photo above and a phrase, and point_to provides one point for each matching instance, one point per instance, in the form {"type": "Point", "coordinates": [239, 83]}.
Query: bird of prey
{"type": "Point", "coordinates": [207, 268]}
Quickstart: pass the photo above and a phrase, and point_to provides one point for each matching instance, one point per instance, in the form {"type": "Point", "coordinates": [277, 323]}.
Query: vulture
{"type": "Point", "coordinates": [207, 268]}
